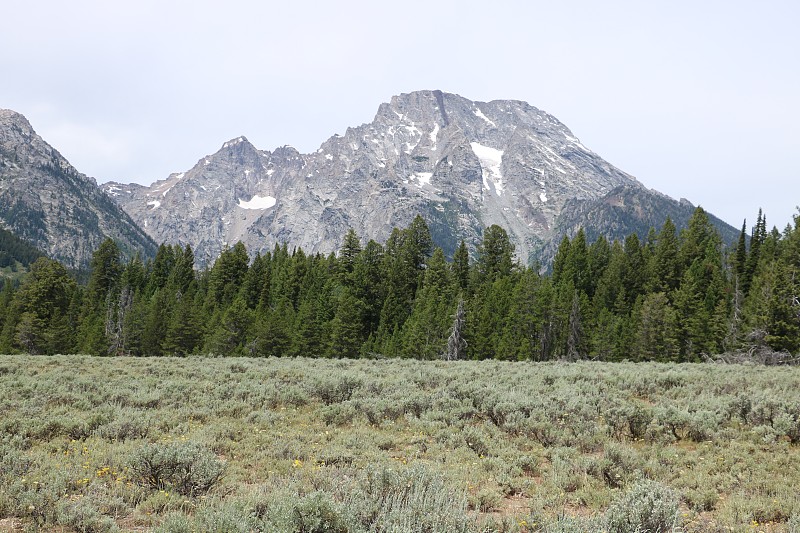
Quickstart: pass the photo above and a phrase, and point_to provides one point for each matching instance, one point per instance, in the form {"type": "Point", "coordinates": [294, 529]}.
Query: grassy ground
{"type": "Point", "coordinates": [196, 444]}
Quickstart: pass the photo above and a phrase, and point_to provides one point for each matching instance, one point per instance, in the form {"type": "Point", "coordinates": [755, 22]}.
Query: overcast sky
{"type": "Point", "coordinates": [697, 99]}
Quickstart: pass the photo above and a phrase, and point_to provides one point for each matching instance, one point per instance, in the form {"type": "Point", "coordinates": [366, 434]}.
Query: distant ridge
{"type": "Point", "coordinates": [49, 204]}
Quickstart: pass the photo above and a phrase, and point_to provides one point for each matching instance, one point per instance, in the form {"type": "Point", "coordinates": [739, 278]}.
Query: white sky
{"type": "Point", "coordinates": [697, 99]}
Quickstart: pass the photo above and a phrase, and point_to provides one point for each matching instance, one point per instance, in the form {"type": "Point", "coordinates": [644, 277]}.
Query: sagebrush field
{"type": "Point", "coordinates": [319, 445]}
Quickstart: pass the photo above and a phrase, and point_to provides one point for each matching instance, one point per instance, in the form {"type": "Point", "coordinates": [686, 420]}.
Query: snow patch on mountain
{"type": "Point", "coordinates": [433, 134]}
{"type": "Point", "coordinates": [422, 178]}
{"type": "Point", "coordinates": [486, 119]}
{"type": "Point", "coordinates": [257, 202]}
{"type": "Point", "coordinates": [491, 160]}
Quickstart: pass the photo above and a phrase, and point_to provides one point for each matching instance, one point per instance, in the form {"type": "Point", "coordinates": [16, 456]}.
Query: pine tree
{"type": "Point", "coordinates": [666, 266]}
{"type": "Point", "coordinates": [156, 313]}
{"type": "Point", "coordinates": [230, 335]}
{"type": "Point", "coordinates": [599, 257]}
{"type": "Point", "coordinates": [740, 255]}
{"type": "Point", "coordinates": [274, 333]}
{"type": "Point", "coordinates": [347, 329]}
{"type": "Point", "coordinates": [523, 337]}
{"type": "Point", "coordinates": [106, 271]}
{"type": "Point", "coordinates": [227, 275]}
{"type": "Point", "coordinates": [561, 259]}
{"type": "Point", "coordinates": [351, 248]}
{"type": "Point", "coordinates": [656, 335]}
{"type": "Point", "coordinates": [576, 339]}
{"type": "Point", "coordinates": [757, 240]}
{"type": "Point", "coordinates": [40, 309]}
{"type": "Point", "coordinates": [487, 315]}
{"type": "Point", "coordinates": [460, 266]}
{"type": "Point", "coordinates": [783, 319]}
{"type": "Point", "coordinates": [425, 331]}
{"type": "Point", "coordinates": [182, 274]}
{"type": "Point", "coordinates": [367, 284]}
{"type": "Point", "coordinates": [183, 328]}
{"type": "Point", "coordinates": [495, 255]}
{"type": "Point", "coordinates": [161, 269]}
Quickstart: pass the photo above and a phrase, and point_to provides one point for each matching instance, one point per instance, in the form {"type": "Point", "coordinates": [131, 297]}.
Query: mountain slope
{"type": "Point", "coordinates": [48, 203]}
{"type": "Point", "coordinates": [463, 165]}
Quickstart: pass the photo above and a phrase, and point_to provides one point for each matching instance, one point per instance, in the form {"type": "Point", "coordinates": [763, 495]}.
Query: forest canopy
{"type": "Point", "coordinates": [674, 296]}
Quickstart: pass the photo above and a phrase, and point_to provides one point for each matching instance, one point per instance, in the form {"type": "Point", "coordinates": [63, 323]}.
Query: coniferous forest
{"type": "Point", "coordinates": [674, 296]}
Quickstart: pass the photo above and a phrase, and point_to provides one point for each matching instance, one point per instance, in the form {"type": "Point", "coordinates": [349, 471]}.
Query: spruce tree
{"type": "Point", "coordinates": [460, 266]}
{"type": "Point", "coordinates": [495, 255]}
{"type": "Point", "coordinates": [351, 247]}
{"type": "Point", "coordinates": [666, 264]}
{"type": "Point", "coordinates": [656, 333]}
{"type": "Point", "coordinates": [425, 331]}
{"type": "Point", "coordinates": [347, 328]}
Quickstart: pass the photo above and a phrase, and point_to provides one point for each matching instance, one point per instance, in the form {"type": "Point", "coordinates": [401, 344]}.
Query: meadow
{"type": "Point", "coordinates": [327, 445]}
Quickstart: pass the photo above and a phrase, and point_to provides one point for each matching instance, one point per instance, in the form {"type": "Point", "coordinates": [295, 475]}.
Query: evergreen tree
{"type": "Point", "coordinates": [783, 319]}
{"type": "Point", "coordinates": [230, 335]}
{"type": "Point", "coordinates": [740, 255]}
{"type": "Point", "coordinates": [523, 337]}
{"type": "Point", "coordinates": [461, 266]}
{"type": "Point", "coordinates": [227, 275]}
{"type": "Point", "coordinates": [182, 274]}
{"type": "Point", "coordinates": [425, 331]}
{"type": "Point", "coordinates": [757, 239]}
{"type": "Point", "coordinates": [351, 248]}
{"type": "Point", "coordinates": [184, 329]}
{"type": "Point", "coordinates": [106, 269]}
{"type": "Point", "coordinates": [156, 313]}
{"type": "Point", "coordinates": [666, 266]}
{"type": "Point", "coordinates": [599, 257]}
{"type": "Point", "coordinates": [367, 284]}
{"type": "Point", "coordinates": [495, 255]}
{"type": "Point", "coordinates": [486, 319]}
{"type": "Point", "coordinates": [38, 321]}
{"type": "Point", "coordinates": [347, 329]}
{"type": "Point", "coordinates": [161, 269]}
{"type": "Point", "coordinates": [656, 335]}
{"type": "Point", "coordinates": [274, 333]}
{"type": "Point", "coordinates": [576, 337]}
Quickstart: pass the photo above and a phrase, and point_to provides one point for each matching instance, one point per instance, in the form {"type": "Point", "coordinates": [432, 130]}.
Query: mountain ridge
{"type": "Point", "coordinates": [463, 165]}
{"type": "Point", "coordinates": [48, 203]}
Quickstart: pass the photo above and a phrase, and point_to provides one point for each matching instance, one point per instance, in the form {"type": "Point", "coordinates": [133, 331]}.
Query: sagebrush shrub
{"type": "Point", "coordinates": [82, 515]}
{"type": "Point", "coordinates": [794, 523]}
{"type": "Point", "coordinates": [649, 507]}
{"type": "Point", "coordinates": [318, 513]}
{"type": "Point", "coordinates": [187, 468]}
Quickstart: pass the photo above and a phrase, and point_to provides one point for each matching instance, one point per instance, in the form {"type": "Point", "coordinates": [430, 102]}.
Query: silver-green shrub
{"type": "Point", "coordinates": [187, 468]}
{"type": "Point", "coordinates": [649, 507]}
{"type": "Point", "coordinates": [794, 523]}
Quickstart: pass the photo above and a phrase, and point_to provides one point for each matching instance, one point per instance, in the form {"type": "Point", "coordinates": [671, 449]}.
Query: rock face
{"type": "Point", "coordinates": [462, 165]}
{"type": "Point", "coordinates": [48, 203]}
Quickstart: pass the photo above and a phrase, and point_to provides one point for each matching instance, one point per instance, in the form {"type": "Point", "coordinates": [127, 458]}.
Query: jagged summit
{"type": "Point", "coordinates": [47, 202]}
{"type": "Point", "coordinates": [462, 164]}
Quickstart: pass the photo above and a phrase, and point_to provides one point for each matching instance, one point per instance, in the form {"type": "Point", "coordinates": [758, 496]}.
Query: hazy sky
{"type": "Point", "coordinates": [697, 99]}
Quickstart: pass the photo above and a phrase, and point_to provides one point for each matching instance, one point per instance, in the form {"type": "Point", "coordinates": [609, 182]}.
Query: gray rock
{"type": "Point", "coordinates": [45, 201]}
{"type": "Point", "coordinates": [462, 165]}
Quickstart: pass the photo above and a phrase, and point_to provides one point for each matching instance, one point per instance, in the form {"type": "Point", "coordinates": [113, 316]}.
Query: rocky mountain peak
{"type": "Point", "coordinates": [47, 202]}
{"type": "Point", "coordinates": [10, 119]}
{"type": "Point", "coordinates": [463, 165]}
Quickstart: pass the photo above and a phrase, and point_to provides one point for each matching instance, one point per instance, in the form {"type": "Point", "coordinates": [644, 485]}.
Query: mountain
{"type": "Point", "coordinates": [462, 165]}
{"type": "Point", "coordinates": [52, 206]}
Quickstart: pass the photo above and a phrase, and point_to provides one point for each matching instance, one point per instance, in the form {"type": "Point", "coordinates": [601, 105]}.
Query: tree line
{"type": "Point", "coordinates": [674, 296]}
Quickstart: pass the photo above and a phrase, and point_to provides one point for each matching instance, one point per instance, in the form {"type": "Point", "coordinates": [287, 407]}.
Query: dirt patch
{"type": "Point", "coordinates": [10, 524]}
